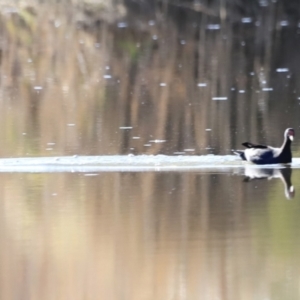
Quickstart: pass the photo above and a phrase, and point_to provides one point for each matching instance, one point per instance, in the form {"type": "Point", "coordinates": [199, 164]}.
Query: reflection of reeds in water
{"type": "Point", "coordinates": [155, 71]}
{"type": "Point", "coordinates": [127, 235]}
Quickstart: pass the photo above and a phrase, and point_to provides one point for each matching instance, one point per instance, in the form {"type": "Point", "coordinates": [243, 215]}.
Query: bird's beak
{"type": "Point", "coordinates": [291, 137]}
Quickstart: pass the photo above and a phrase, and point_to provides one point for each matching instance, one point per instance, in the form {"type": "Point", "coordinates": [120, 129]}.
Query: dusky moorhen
{"type": "Point", "coordinates": [262, 155]}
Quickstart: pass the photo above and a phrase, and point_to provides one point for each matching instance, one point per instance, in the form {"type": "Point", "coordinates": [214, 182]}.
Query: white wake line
{"type": "Point", "coordinates": [95, 169]}
{"type": "Point", "coordinates": [122, 163]}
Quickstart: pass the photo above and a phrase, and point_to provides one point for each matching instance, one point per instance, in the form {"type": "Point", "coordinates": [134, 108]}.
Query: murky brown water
{"type": "Point", "coordinates": [147, 236]}
{"type": "Point", "coordinates": [163, 80]}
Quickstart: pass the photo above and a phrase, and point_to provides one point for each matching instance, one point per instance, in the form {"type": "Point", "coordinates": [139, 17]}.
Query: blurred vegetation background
{"type": "Point", "coordinates": [74, 72]}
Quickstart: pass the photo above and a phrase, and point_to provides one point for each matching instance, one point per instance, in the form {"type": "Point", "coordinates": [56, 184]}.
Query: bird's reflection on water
{"type": "Point", "coordinates": [285, 174]}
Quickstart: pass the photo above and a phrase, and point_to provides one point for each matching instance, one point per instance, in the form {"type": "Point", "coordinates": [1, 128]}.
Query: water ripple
{"type": "Point", "coordinates": [130, 163]}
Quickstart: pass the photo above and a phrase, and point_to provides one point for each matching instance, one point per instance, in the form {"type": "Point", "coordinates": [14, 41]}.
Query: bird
{"type": "Point", "coordinates": [262, 155]}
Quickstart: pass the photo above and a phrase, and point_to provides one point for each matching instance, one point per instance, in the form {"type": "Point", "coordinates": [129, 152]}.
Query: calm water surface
{"type": "Point", "coordinates": [172, 235]}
